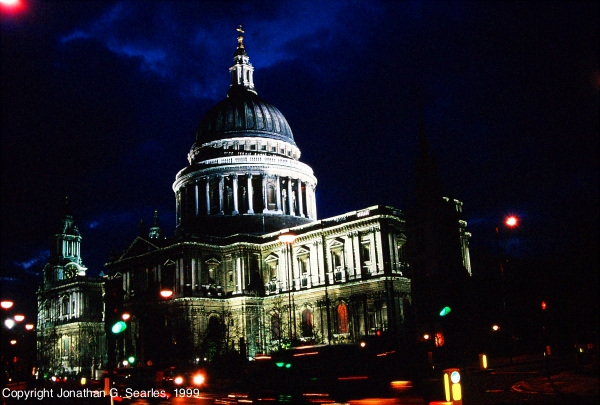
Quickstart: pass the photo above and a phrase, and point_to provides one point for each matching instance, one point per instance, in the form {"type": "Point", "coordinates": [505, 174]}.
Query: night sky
{"type": "Point", "coordinates": [100, 102]}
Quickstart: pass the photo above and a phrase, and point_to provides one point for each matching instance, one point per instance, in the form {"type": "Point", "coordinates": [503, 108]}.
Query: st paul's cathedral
{"type": "Point", "coordinates": [250, 267]}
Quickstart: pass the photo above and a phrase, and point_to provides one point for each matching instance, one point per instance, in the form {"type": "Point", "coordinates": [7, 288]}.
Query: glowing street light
{"type": "Point", "coordinates": [29, 326]}
{"type": "Point", "coordinates": [9, 323]}
{"type": "Point", "coordinates": [19, 318]}
{"type": "Point", "coordinates": [511, 221]}
{"type": "Point", "coordinates": [166, 293]}
{"type": "Point", "coordinates": [6, 304]}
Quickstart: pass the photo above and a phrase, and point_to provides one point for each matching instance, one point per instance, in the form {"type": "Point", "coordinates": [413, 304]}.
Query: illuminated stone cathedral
{"type": "Point", "coordinates": [251, 268]}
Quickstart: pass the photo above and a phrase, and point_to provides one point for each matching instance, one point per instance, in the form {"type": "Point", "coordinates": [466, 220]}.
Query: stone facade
{"type": "Point", "coordinates": [70, 324]}
{"type": "Point", "coordinates": [251, 268]}
{"type": "Point", "coordinates": [339, 280]}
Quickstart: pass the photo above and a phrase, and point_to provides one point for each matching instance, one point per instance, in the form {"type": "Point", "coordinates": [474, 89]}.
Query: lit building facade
{"type": "Point", "coordinates": [251, 268]}
{"type": "Point", "coordinates": [70, 324]}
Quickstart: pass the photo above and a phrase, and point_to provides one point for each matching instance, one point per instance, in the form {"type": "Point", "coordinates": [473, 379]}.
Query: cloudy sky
{"type": "Point", "coordinates": [100, 102]}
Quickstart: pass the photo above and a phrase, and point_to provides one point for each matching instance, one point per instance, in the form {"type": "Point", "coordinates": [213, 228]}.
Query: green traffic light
{"type": "Point", "coordinates": [131, 359]}
{"type": "Point", "coordinates": [445, 311]}
{"type": "Point", "coordinates": [119, 327]}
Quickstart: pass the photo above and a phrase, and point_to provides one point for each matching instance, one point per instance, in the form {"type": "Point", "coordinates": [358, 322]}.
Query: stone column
{"type": "Point", "coordinates": [221, 187]}
{"type": "Point", "coordinates": [356, 259]}
{"type": "Point", "coordinates": [290, 197]}
{"type": "Point", "coordinates": [193, 280]}
{"type": "Point", "coordinates": [196, 195]}
{"type": "Point", "coordinates": [240, 279]}
{"type": "Point", "coordinates": [250, 193]}
{"type": "Point", "coordinates": [235, 195]}
{"type": "Point", "coordinates": [264, 193]}
{"type": "Point", "coordinates": [278, 191]}
{"type": "Point", "coordinates": [207, 195]}
{"type": "Point", "coordinates": [300, 204]}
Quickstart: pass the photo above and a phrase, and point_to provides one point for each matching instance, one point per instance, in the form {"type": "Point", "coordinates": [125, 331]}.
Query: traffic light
{"type": "Point", "coordinates": [118, 327]}
{"type": "Point", "coordinates": [543, 305]}
{"type": "Point", "coordinates": [445, 311]}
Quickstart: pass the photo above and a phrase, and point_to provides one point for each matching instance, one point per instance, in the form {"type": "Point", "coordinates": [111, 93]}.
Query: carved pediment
{"type": "Point", "coordinates": [138, 246]}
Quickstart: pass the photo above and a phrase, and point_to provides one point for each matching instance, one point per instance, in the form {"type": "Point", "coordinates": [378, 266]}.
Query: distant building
{"type": "Point", "coordinates": [70, 324]}
{"type": "Point", "coordinates": [250, 267]}
{"type": "Point", "coordinates": [438, 251]}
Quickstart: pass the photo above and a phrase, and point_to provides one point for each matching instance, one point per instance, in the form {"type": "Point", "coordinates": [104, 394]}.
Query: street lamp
{"type": "Point", "coordinates": [166, 294]}
{"type": "Point", "coordinates": [6, 304]}
{"type": "Point", "coordinates": [288, 239]}
{"type": "Point", "coordinates": [511, 221]}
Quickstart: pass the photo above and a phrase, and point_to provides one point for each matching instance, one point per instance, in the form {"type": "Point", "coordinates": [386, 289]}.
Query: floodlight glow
{"type": "Point", "coordinates": [9, 323]}
{"type": "Point", "coordinates": [287, 238]}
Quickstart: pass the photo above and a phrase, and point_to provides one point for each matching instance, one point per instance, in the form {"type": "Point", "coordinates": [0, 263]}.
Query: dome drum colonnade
{"type": "Point", "coordinates": [244, 161]}
{"type": "Point", "coordinates": [247, 185]}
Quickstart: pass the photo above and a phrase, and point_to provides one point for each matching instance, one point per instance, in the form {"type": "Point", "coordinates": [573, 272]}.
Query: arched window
{"type": "Point", "coordinates": [307, 323]}
{"type": "Point", "coordinates": [342, 318]}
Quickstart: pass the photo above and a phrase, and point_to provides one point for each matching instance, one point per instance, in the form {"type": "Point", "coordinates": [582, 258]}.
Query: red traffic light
{"type": "Point", "coordinates": [543, 305]}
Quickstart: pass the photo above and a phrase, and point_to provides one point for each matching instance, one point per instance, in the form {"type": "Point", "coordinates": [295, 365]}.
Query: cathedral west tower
{"type": "Point", "coordinates": [244, 173]}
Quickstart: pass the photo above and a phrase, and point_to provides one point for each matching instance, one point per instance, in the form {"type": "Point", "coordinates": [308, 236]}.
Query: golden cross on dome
{"type": "Point", "coordinates": [240, 37]}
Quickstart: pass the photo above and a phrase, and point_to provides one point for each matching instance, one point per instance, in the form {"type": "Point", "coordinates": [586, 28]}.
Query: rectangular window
{"type": "Point", "coordinates": [365, 251]}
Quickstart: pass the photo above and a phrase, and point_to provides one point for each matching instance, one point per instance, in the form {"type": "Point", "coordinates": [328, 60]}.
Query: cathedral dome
{"type": "Point", "coordinates": [243, 114]}
{"type": "Point", "coordinates": [244, 173]}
